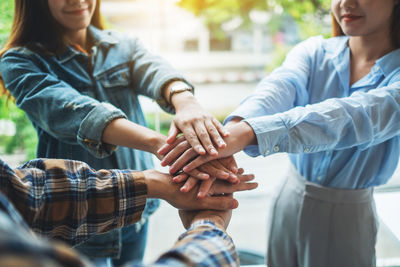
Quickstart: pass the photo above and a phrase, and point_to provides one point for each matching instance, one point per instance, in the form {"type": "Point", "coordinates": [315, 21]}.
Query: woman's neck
{"type": "Point", "coordinates": [364, 51]}
{"type": "Point", "coordinates": [368, 49]}
{"type": "Point", "coordinates": [76, 38]}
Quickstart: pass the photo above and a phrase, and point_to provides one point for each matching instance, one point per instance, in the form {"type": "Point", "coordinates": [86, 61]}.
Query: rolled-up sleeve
{"type": "Point", "coordinates": [91, 129]}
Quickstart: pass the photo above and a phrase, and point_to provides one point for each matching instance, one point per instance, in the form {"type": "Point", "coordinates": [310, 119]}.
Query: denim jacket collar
{"type": "Point", "coordinates": [102, 37]}
{"type": "Point", "coordinates": [99, 37]}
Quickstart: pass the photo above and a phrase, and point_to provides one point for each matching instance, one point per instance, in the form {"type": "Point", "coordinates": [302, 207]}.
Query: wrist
{"type": "Point", "coordinates": [156, 141]}
{"type": "Point", "coordinates": [157, 184]}
{"type": "Point", "coordinates": [213, 219]}
{"type": "Point", "coordinates": [183, 100]}
{"type": "Point", "coordinates": [242, 135]}
{"type": "Point", "coordinates": [175, 88]}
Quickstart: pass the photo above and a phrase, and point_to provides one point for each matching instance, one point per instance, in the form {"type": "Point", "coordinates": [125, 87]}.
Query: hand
{"type": "Point", "coordinates": [217, 187]}
{"type": "Point", "coordinates": [220, 218]}
{"type": "Point", "coordinates": [199, 127]}
{"type": "Point", "coordinates": [180, 153]}
{"type": "Point", "coordinates": [242, 136]}
{"type": "Point", "coordinates": [221, 169]}
{"type": "Point", "coordinates": [160, 185]}
{"type": "Point", "coordinates": [224, 169]}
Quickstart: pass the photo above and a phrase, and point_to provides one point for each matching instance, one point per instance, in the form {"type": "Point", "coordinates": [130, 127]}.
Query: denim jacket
{"type": "Point", "coordinates": [70, 98]}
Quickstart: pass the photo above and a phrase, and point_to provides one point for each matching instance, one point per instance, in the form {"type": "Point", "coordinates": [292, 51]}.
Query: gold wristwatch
{"type": "Point", "coordinates": [179, 88]}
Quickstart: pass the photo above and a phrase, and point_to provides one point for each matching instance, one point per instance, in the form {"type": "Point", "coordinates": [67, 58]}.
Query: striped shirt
{"type": "Point", "coordinates": [68, 201]}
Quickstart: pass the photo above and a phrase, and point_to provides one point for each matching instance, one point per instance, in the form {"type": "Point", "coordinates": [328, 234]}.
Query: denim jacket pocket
{"type": "Point", "coordinates": [116, 77]}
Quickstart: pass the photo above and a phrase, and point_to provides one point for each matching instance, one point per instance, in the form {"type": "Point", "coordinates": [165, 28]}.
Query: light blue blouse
{"type": "Point", "coordinates": [337, 135]}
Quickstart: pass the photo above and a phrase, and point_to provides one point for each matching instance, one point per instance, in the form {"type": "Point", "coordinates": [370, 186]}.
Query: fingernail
{"type": "Point", "coordinates": [183, 189]}
{"type": "Point", "coordinates": [225, 175]}
{"type": "Point", "coordinates": [204, 176]}
{"type": "Point", "coordinates": [201, 150]}
{"type": "Point", "coordinates": [235, 204]}
{"type": "Point", "coordinates": [213, 151]}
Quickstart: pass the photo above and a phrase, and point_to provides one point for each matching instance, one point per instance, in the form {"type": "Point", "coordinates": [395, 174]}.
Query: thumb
{"type": "Point", "coordinates": [172, 133]}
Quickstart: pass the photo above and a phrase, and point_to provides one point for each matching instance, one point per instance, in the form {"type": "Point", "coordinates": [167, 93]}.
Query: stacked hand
{"type": "Point", "coordinates": [219, 197]}
{"type": "Point", "coordinates": [209, 167]}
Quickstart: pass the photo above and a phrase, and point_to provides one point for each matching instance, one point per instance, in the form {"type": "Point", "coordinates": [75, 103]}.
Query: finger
{"type": "Point", "coordinates": [175, 153]}
{"type": "Point", "coordinates": [224, 187]}
{"type": "Point", "coordinates": [191, 137]}
{"type": "Point", "coordinates": [240, 171]}
{"type": "Point", "coordinates": [180, 178]}
{"type": "Point", "coordinates": [214, 134]}
{"type": "Point", "coordinates": [213, 171]}
{"type": "Point", "coordinates": [163, 150]}
{"type": "Point", "coordinates": [246, 177]}
{"type": "Point", "coordinates": [196, 173]}
{"type": "Point", "coordinates": [202, 134]}
{"type": "Point", "coordinates": [219, 166]}
{"type": "Point", "coordinates": [246, 186]}
{"type": "Point", "coordinates": [226, 202]}
{"type": "Point", "coordinates": [197, 162]}
{"type": "Point", "coordinates": [190, 183]}
{"type": "Point", "coordinates": [172, 133]}
{"type": "Point", "coordinates": [168, 147]}
{"type": "Point", "coordinates": [187, 156]}
{"type": "Point", "coordinates": [205, 187]}
{"type": "Point", "coordinates": [221, 129]}
{"type": "Point", "coordinates": [229, 163]}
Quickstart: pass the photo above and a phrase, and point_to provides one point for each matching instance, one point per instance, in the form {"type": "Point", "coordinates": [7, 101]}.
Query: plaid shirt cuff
{"type": "Point", "coordinates": [203, 244]}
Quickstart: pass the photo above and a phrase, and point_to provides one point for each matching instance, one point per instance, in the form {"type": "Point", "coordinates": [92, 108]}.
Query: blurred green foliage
{"type": "Point", "coordinates": [312, 17]}
{"type": "Point", "coordinates": [6, 11]}
{"type": "Point", "coordinates": [25, 138]}
{"type": "Point", "coordinates": [216, 12]}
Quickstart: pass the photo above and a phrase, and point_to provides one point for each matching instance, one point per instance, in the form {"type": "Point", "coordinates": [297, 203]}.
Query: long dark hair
{"type": "Point", "coordinates": [395, 28]}
{"type": "Point", "coordinates": [34, 27]}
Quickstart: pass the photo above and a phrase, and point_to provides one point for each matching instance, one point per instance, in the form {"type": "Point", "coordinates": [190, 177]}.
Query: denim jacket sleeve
{"type": "Point", "coordinates": [55, 106]}
{"type": "Point", "coordinates": [152, 73]}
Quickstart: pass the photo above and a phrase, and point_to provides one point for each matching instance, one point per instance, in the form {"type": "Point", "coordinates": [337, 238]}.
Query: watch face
{"type": "Point", "coordinates": [180, 87]}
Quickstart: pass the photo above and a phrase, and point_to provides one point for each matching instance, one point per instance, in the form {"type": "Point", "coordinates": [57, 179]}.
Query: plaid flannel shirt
{"type": "Point", "coordinates": [69, 201]}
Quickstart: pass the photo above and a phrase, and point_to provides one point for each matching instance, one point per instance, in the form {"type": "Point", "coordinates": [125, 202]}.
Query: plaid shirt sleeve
{"type": "Point", "coordinates": [203, 244]}
{"type": "Point", "coordinates": [69, 201]}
